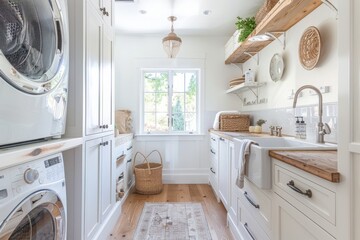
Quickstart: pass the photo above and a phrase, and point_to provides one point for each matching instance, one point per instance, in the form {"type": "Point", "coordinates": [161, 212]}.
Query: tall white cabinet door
{"type": "Point", "coordinates": [289, 223]}
{"type": "Point", "coordinates": [224, 168]}
{"type": "Point", "coordinates": [92, 187]}
{"type": "Point", "coordinates": [106, 193]}
{"type": "Point", "coordinates": [94, 29]}
{"type": "Point", "coordinates": [233, 187]}
{"type": "Point", "coordinates": [107, 80]}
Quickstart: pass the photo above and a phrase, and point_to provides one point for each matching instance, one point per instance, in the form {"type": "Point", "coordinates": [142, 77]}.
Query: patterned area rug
{"type": "Point", "coordinates": [172, 221]}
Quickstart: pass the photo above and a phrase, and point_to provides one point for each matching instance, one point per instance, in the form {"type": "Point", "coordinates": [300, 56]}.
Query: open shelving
{"type": "Point", "coordinates": [284, 15]}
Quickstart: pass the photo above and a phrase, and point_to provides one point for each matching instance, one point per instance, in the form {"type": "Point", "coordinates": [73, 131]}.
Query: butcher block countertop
{"type": "Point", "coordinates": [321, 163]}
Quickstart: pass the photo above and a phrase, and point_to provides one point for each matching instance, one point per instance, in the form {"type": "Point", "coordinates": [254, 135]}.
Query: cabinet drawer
{"type": "Point", "coordinates": [214, 142]}
{"type": "Point", "coordinates": [258, 204]}
{"type": "Point", "coordinates": [248, 226]}
{"type": "Point", "coordinates": [318, 199]}
{"type": "Point", "coordinates": [213, 171]}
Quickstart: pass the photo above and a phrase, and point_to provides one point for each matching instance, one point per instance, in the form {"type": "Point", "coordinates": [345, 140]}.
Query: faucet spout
{"type": "Point", "coordinates": [321, 130]}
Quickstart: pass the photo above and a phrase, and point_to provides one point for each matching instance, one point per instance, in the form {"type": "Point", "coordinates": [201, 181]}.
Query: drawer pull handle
{"type": "Point", "coordinates": [251, 201]}
{"type": "Point", "coordinates": [291, 185]}
{"type": "Point", "coordinates": [211, 169]}
{"type": "Point", "coordinates": [222, 139]}
{"type": "Point", "coordinates": [129, 148]}
{"type": "Point", "coordinates": [129, 161]}
{"type": "Point", "coordinates": [212, 151]}
{"type": "Point", "coordinates": [247, 229]}
{"type": "Point", "coordinates": [213, 139]}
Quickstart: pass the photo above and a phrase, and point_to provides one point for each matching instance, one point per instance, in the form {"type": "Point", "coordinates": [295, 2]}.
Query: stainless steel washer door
{"type": "Point", "coordinates": [40, 216]}
{"type": "Point", "coordinates": [31, 44]}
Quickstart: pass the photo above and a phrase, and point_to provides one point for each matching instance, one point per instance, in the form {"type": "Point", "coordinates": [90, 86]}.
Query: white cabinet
{"type": "Point", "coordinates": [224, 172]}
{"type": "Point", "coordinates": [290, 223]}
{"type": "Point", "coordinates": [129, 175]}
{"type": "Point", "coordinates": [99, 75]}
{"type": "Point", "coordinates": [104, 10]}
{"type": "Point", "coordinates": [98, 189]}
{"type": "Point", "coordinates": [213, 168]}
{"type": "Point", "coordinates": [233, 187]}
{"type": "Point", "coordinates": [304, 205]}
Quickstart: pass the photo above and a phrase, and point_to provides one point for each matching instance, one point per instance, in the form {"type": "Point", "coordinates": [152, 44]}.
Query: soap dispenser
{"type": "Point", "coordinates": [297, 128]}
{"type": "Point", "coordinates": [302, 129]}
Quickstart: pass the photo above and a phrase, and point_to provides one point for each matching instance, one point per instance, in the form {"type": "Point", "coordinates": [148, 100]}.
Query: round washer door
{"type": "Point", "coordinates": [40, 216]}
{"type": "Point", "coordinates": [32, 44]}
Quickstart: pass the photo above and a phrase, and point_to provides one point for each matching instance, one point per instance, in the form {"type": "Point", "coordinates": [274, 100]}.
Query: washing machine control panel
{"type": "Point", "coordinates": [28, 176]}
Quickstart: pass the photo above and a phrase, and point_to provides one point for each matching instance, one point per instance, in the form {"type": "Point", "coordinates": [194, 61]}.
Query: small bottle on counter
{"type": "Point", "coordinates": [302, 129]}
{"type": "Point", "coordinates": [297, 128]}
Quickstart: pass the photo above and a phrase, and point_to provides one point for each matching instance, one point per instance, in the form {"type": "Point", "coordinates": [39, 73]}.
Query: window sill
{"type": "Point", "coordinates": [169, 137]}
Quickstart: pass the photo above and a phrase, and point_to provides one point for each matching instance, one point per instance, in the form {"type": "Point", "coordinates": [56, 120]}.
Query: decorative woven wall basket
{"type": "Point", "coordinates": [234, 122]}
{"type": "Point", "coordinates": [148, 175]}
{"type": "Point", "coordinates": [264, 10]}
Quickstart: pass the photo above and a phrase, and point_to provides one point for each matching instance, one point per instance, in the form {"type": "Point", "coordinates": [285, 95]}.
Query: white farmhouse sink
{"type": "Point", "coordinates": [259, 164]}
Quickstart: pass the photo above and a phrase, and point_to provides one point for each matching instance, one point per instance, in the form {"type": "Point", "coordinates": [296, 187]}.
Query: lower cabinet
{"type": "Point", "coordinates": [129, 161]}
{"type": "Point", "coordinates": [224, 170]}
{"type": "Point", "coordinates": [290, 223]}
{"type": "Point", "coordinates": [98, 189]}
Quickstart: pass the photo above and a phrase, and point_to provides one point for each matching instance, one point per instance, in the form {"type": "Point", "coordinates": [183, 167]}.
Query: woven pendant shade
{"type": "Point", "coordinates": [172, 42]}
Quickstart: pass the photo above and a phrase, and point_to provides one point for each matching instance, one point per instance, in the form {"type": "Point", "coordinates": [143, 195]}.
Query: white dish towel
{"type": "Point", "coordinates": [241, 152]}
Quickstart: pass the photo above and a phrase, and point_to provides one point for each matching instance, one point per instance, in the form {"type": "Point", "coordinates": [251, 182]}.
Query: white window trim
{"type": "Point", "coordinates": [172, 64]}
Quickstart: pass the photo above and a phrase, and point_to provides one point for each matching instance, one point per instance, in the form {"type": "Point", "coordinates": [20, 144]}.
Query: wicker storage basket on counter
{"type": "Point", "coordinates": [148, 175]}
{"type": "Point", "coordinates": [264, 9]}
{"type": "Point", "coordinates": [234, 122]}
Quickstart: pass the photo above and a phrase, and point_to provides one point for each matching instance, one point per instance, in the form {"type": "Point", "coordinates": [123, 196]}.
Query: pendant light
{"type": "Point", "coordinates": [172, 42]}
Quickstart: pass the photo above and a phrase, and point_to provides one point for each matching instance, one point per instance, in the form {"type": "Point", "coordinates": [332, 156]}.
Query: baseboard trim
{"type": "Point", "coordinates": [186, 176]}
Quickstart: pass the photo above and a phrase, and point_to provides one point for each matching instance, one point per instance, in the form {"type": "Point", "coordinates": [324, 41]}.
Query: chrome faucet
{"type": "Point", "coordinates": [322, 128]}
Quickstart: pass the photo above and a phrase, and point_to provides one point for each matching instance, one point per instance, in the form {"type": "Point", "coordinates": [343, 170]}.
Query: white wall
{"type": "Point", "coordinates": [324, 74]}
{"type": "Point", "coordinates": [185, 159]}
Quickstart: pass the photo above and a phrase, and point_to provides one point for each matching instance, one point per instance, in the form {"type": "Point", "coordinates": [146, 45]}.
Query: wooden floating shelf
{"type": "Point", "coordinates": [284, 15]}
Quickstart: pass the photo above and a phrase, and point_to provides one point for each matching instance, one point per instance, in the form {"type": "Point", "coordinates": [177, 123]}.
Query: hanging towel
{"type": "Point", "coordinates": [216, 125]}
{"type": "Point", "coordinates": [242, 151]}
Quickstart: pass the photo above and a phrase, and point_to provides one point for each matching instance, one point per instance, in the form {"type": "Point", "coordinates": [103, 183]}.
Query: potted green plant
{"type": "Point", "coordinates": [258, 127]}
{"type": "Point", "coordinates": [245, 26]}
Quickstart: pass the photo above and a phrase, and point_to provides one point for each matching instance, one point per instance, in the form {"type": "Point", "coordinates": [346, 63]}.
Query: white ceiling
{"type": "Point", "coordinates": [191, 20]}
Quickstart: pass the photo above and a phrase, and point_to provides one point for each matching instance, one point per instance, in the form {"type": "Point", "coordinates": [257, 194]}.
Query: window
{"type": "Point", "coordinates": [170, 101]}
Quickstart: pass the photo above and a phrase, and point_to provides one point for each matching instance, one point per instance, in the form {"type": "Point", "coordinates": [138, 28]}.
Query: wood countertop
{"type": "Point", "coordinates": [321, 163]}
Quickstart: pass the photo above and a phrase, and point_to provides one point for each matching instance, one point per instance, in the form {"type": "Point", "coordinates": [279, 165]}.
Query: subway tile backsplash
{"type": "Point", "coordinates": [285, 117]}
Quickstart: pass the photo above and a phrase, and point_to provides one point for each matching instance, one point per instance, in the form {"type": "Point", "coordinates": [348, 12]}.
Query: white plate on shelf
{"type": "Point", "coordinates": [276, 67]}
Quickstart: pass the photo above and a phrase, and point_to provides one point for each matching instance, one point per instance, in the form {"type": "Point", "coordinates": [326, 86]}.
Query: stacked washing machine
{"type": "Point", "coordinates": [34, 59]}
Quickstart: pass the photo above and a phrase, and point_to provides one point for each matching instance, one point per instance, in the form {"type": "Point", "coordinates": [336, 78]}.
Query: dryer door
{"type": "Point", "coordinates": [40, 216]}
{"type": "Point", "coordinates": [32, 44]}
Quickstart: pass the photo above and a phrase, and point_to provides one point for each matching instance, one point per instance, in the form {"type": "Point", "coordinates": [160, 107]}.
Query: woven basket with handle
{"type": "Point", "coordinates": [148, 175]}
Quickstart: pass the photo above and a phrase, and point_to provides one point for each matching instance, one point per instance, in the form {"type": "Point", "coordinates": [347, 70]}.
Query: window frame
{"type": "Point", "coordinates": [171, 71]}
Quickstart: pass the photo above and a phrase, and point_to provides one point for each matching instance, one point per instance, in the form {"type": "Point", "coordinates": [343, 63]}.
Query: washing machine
{"type": "Point", "coordinates": [34, 59]}
{"type": "Point", "coordinates": [33, 200]}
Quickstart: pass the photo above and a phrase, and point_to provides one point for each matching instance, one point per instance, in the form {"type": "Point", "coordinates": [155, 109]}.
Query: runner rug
{"type": "Point", "coordinates": [172, 221]}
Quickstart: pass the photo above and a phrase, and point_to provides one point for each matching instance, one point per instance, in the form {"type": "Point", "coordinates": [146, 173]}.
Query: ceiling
{"type": "Point", "coordinates": [191, 19]}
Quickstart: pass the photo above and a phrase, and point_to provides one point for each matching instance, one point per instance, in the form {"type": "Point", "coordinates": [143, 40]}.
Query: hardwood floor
{"type": "Point", "coordinates": [214, 211]}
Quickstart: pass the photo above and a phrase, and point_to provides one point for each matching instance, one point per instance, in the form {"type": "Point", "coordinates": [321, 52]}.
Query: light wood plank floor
{"type": "Point", "coordinates": [214, 211]}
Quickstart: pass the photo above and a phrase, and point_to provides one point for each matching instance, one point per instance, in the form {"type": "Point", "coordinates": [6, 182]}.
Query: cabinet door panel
{"type": "Point", "coordinates": [224, 168]}
{"type": "Point", "coordinates": [233, 187]}
{"type": "Point", "coordinates": [93, 62]}
{"type": "Point", "coordinates": [107, 80]}
{"type": "Point", "coordinates": [107, 190]}
{"type": "Point", "coordinates": [289, 223]}
{"type": "Point", "coordinates": [92, 187]}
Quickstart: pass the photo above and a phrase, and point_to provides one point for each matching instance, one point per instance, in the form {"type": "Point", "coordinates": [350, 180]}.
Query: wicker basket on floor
{"type": "Point", "coordinates": [234, 122]}
{"type": "Point", "coordinates": [148, 175]}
